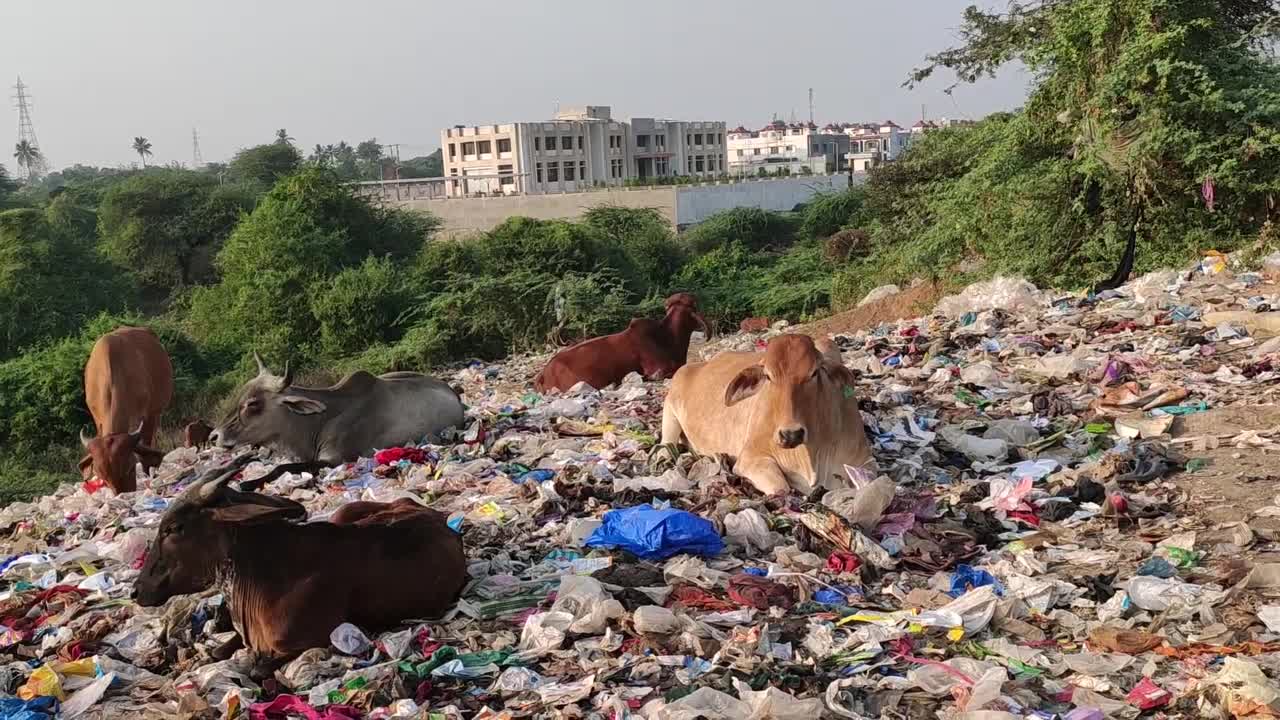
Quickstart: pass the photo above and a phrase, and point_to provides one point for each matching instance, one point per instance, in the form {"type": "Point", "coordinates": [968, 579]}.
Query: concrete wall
{"type": "Point", "coordinates": [696, 203]}
{"type": "Point", "coordinates": [681, 205]}
{"type": "Point", "coordinates": [462, 216]}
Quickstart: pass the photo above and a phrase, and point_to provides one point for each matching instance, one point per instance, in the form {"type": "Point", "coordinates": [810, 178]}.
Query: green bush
{"type": "Point", "coordinates": [827, 212]}
{"type": "Point", "coordinates": [754, 228]}
{"type": "Point", "coordinates": [165, 227]}
{"type": "Point", "coordinates": [50, 281]}
{"type": "Point", "coordinates": [360, 306]}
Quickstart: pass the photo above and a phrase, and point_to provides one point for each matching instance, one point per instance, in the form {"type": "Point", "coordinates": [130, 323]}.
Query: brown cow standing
{"type": "Point", "coordinates": [128, 383]}
{"type": "Point", "coordinates": [655, 349]}
{"type": "Point", "coordinates": [374, 564]}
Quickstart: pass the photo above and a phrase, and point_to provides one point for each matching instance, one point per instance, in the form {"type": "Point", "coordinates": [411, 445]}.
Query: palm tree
{"type": "Point", "coordinates": [283, 137]}
{"type": "Point", "coordinates": [142, 146]}
{"type": "Point", "coordinates": [321, 155]}
{"type": "Point", "coordinates": [28, 156]}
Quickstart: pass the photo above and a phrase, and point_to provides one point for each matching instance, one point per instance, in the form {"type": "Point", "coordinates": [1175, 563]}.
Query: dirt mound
{"type": "Point", "coordinates": [912, 302]}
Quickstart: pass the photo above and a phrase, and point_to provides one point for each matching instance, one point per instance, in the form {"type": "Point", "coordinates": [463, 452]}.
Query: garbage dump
{"type": "Point", "coordinates": [1076, 517]}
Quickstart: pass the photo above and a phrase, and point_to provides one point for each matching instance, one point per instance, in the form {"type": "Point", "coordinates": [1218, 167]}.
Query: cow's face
{"type": "Point", "coordinates": [683, 316]}
{"type": "Point", "coordinates": [184, 556]}
{"type": "Point", "coordinates": [111, 458]}
{"type": "Point", "coordinates": [798, 387]}
{"type": "Point", "coordinates": [196, 534]}
{"type": "Point", "coordinates": [264, 410]}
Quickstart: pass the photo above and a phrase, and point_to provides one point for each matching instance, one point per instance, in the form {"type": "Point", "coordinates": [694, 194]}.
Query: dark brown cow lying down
{"type": "Point", "coordinates": [288, 585]}
{"type": "Point", "coordinates": [653, 348]}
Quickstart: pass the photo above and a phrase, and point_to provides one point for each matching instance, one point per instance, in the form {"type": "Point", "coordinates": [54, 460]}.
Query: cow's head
{"type": "Point", "coordinates": [682, 316]}
{"type": "Point", "coordinates": [196, 434]}
{"type": "Point", "coordinates": [799, 385]}
{"type": "Point", "coordinates": [197, 531]}
{"type": "Point", "coordinates": [110, 457]}
{"type": "Point", "coordinates": [265, 409]}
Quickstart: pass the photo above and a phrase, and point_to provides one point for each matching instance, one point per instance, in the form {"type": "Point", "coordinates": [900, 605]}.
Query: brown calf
{"type": "Point", "coordinates": [788, 416]}
{"type": "Point", "coordinates": [655, 349]}
{"type": "Point", "coordinates": [128, 383]}
{"type": "Point", "coordinates": [196, 434]}
{"type": "Point", "coordinates": [288, 584]}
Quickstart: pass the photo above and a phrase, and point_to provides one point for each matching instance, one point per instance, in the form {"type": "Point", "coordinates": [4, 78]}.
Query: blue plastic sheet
{"type": "Point", "coordinates": [656, 534]}
{"type": "Point", "coordinates": [41, 708]}
{"type": "Point", "coordinates": [837, 595]}
{"type": "Point", "coordinates": [968, 577]}
{"type": "Point", "coordinates": [536, 475]}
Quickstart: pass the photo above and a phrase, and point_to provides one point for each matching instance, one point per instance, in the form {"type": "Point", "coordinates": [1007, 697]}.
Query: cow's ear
{"type": "Point", "coordinates": [840, 375]}
{"type": "Point", "coordinates": [252, 513]}
{"type": "Point", "coordinates": [746, 384]}
{"type": "Point", "coordinates": [303, 406]}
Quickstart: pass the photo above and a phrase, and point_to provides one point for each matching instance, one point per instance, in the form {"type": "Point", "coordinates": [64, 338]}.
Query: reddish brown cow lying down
{"type": "Point", "coordinates": [653, 348]}
{"type": "Point", "coordinates": [288, 584]}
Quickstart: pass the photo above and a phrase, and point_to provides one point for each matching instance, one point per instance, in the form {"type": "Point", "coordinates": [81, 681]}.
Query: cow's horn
{"type": "Point", "coordinates": [211, 483]}
{"type": "Point", "coordinates": [136, 436]}
{"type": "Point", "coordinates": [262, 368]}
{"type": "Point", "coordinates": [287, 380]}
{"type": "Point", "coordinates": [84, 439]}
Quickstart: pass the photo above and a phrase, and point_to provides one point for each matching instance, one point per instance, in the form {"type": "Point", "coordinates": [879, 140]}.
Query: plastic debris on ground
{"type": "Point", "coordinates": [1033, 548]}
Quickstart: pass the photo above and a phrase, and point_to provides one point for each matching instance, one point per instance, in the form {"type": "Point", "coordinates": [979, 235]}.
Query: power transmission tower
{"type": "Point", "coordinates": [27, 132]}
{"type": "Point", "coordinates": [197, 160]}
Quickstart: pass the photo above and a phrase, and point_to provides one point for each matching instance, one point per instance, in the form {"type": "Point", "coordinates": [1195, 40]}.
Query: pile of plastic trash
{"type": "Point", "coordinates": [1028, 552]}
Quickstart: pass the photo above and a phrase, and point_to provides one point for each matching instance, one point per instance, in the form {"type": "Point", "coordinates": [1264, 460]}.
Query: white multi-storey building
{"type": "Point", "coordinates": [876, 143]}
{"type": "Point", "coordinates": [797, 147]}
{"type": "Point", "coordinates": [579, 149]}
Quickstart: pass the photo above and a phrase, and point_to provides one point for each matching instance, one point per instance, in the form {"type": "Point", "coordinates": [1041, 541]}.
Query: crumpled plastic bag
{"type": "Point", "coordinates": [711, 704]}
{"type": "Point", "coordinates": [657, 534]}
{"type": "Point", "coordinates": [749, 529]}
{"type": "Point", "coordinates": [1000, 293]}
{"type": "Point", "coordinates": [586, 600]}
{"type": "Point", "coordinates": [350, 640]}
{"type": "Point", "coordinates": [862, 507]}
{"type": "Point", "coordinates": [1159, 594]}
{"type": "Point", "coordinates": [938, 678]}
{"type": "Point", "coordinates": [544, 632]}
{"type": "Point", "coordinates": [44, 682]}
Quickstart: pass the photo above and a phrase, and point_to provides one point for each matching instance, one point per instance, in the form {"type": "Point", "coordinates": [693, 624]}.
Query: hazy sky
{"type": "Point", "coordinates": [400, 70]}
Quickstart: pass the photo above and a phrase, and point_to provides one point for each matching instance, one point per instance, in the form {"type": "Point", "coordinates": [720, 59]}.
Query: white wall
{"type": "Point", "coordinates": [696, 203]}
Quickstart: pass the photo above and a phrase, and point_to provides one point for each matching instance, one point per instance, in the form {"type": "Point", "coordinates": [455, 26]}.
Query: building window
{"type": "Point", "coordinates": [569, 175]}
{"type": "Point", "coordinates": [697, 138]}
{"type": "Point", "coordinates": [719, 138]}
{"type": "Point", "coordinates": [580, 143]}
{"type": "Point", "coordinates": [537, 144]}
{"type": "Point", "coordinates": [688, 139]}
{"type": "Point", "coordinates": [553, 172]}
{"type": "Point", "coordinates": [773, 150]}
{"type": "Point", "coordinates": [739, 153]}
{"type": "Point", "coordinates": [755, 151]}
{"type": "Point", "coordinates": [660, 141]}
{"type": "Point", "coordinates": [551, 142]}
{"type": "Point", "coordinates": [791, 148]}
{"type": "Point", "coordinates": [698, 166]}
{"type": "Point", "coordinates": [504, 172]}
{"type": "Point", "coordinates": [568, 143]}
{"type": "Point", "coordinates": [582, 169]}
{"type": "Point", "coordinates": [453, 151]}
{"type": "Point", "coordinates": [642, 141]}
{"type": "Point", "coordinates": [486, 146]}
{"type": "Point", "coordinates": [539, 173]}
{"type": "Point", "coordinates": [504, 144]}
{"type": "Point", "coordinates": [688, 165]}
{"type": "Point", "coordinates": [615, 168]}
{"type": "Point", "coordinates": [468, 148]}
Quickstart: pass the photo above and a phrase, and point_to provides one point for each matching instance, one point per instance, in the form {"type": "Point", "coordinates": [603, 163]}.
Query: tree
{"type": "Point", "coordinates": [7, 187]}
{"type": "Point", "coordinates": [322, 155]}
{"type": "Point", "coordinates": [28, 156]}
{"type": "Point", "coordinates": [142, 146]}
{"type": "Point", "coordinates": [283, 137]}
{"type": "Point", "coordinates": [166, 227]}
{"type": "Point", "coordinates": [1136, 106]}
{"type": "Point", "coordinates": [51, 281]}
{"type": "Point", "coordinates": [423, 166]}
{"type": "Point", "coordinates": [370, 153]}
{"type": "Point", "coordinates": [263, 165]}
{"type": "Point", "coordinates": [306, 230]}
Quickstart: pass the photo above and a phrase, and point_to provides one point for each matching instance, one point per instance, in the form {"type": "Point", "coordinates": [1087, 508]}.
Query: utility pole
{"type": "Point", "coordinates": [811, 106]}
{"type": "Point", "coordinates": [39, 165]}
{"type": "Point", "coordinates": [197, 160]}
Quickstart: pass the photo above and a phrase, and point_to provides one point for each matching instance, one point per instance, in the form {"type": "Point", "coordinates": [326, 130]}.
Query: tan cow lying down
{"type": "Point", "coordinates": [787, 416]}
